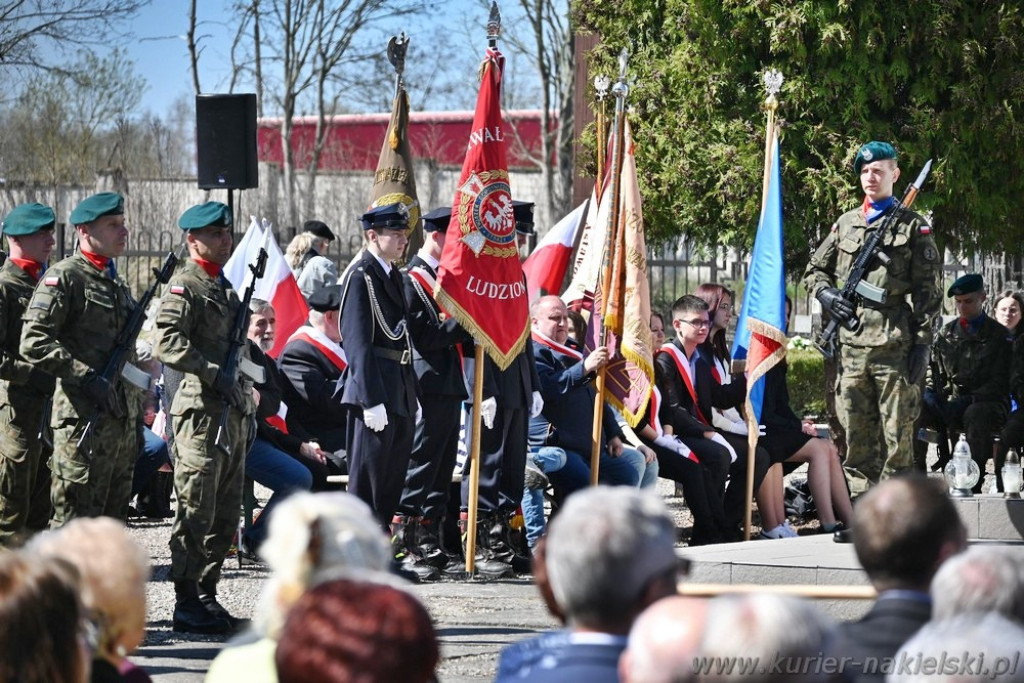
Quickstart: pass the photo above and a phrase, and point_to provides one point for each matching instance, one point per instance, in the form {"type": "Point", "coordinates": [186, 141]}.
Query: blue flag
{"type": "Point", "coordinates": [761, 328]}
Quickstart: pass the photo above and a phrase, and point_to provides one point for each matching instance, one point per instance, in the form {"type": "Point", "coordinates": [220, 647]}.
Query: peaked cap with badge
{"type": "Point", "coordinates": [392, 216]}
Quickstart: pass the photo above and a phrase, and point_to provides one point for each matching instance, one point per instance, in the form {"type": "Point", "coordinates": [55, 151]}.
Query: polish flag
{"type": "Point", "coordinates": [278, 285]}
{"type": "Point", "coordinates": [545, 268]}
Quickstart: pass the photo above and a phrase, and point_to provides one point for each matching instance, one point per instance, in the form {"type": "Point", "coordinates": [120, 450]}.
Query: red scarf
{"type": "Point", "coordinates": [212, 269]}
{"type": "Point", "coordinates": [33, 268]}
{"type": "Point", "coordinates": [544, 340]}
{"type": "Point", "coordinates": [323, 343]}
{"type": "Point", "coordinates": [683, 365]}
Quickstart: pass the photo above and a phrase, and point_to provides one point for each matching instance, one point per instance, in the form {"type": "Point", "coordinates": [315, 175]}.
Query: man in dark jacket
{"type": "Point", "coordinates": [380, 386]}
{"type": "Point", "coordinates": [437, 362]}
{"type": "Point", "coordinates": [312, 363]}
{"type": "Point", "coordinates": [968, 385]}
{"type": "Point", "coordinates": [900, 553]}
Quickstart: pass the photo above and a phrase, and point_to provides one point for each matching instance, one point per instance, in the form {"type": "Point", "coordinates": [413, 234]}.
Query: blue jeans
{"type": "Point", "coordinates": [647, 472]}
{"type": "Point", "coordinates": [572, 475]}
{"type": "Point", "coordinates": [549, 459]}
{"type": "Point", "coordinates": [279, 472]}
{"type": "Point", "coordinates": [153, 456]}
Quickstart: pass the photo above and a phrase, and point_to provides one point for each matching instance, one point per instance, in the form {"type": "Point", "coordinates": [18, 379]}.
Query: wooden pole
{"type": "Point", "coordinates": [474, 457]}
{"type": "Point", "coordinates": [611, 247]}
{"type": "Point", "coordinates": [771, 104]}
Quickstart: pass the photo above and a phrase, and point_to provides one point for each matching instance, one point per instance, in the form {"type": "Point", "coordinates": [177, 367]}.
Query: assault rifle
{"type": "Point", "coordinates": [117, 364]}
{"type": "Point", "coordinates": [228, 374]}
{"type": "Point", "coordinates": [855, 288]}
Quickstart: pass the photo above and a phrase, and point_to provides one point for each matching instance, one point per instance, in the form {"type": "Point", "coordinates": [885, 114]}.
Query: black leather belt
{"type": "Point", "coordinates": [401, 357]}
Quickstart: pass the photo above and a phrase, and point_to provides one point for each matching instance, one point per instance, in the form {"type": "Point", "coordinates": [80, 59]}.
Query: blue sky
{"type": "Point", "coordinates": [160, 51]}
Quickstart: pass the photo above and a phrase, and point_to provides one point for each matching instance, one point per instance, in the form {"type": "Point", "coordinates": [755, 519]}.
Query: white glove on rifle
{"type": "Point", "coordinates": [538, 404]}
{"type": "Point", "coordinates": [488, 409]}
{"type": "Point", "coordinates": [719, 439]}
{"type": "Point", "coordinates": [376, 418]}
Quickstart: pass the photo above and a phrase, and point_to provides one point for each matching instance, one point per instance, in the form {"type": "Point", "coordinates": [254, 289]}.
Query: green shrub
{"type": "Point", "coordinates": [806, 379]}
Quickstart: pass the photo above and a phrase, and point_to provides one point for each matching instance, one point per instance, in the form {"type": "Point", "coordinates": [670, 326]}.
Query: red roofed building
{"type": "Point", "coordinates": [354, 141]}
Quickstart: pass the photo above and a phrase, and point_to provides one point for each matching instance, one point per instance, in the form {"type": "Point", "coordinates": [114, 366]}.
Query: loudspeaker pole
{"type": "Point", "coordinates": [231, 208]}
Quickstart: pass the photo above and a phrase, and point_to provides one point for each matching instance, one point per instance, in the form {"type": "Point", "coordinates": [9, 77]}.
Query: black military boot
{"type": "Point", "coordinates": [428, 544]}
{"type": "Point", "coordinates": [485, 561]}
{"type": "Point", "coordinates": [191, 616]}
{"type": "Point", "coordinates": [403, 544]}
{"type": "Point", "coordinates": [209, 601]}
{"type": "Point", "coordinates": [509, 543]}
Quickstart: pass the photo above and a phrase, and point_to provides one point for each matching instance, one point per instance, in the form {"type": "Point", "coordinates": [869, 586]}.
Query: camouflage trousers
{"type": "Point", "coordinates": [877, 407]}
{"type": "Point", "coordinates": [208, 485]}
{"type": "Point", "coordinates": [24, 473]}
{"type": "Point", "coordinates": [96, 479]}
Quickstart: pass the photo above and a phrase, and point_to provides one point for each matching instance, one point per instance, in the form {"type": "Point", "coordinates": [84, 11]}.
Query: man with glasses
{"type": "Point", "coordinates": [968, 385]}
{"type": "Point", "coordinates": [688, 394]}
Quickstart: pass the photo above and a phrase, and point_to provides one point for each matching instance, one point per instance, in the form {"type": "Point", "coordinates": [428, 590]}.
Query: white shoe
{"type": "Point", "coordinates": [773, 534]}
{"type": "Point", "coordinates": [789, 530]}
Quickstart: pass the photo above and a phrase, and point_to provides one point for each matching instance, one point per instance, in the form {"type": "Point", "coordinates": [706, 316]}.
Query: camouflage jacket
{"type": "Point", "coordinates": [972, 365]}
{"type": "Point", "coordinates": [911, 280]}
{"type": "Point", "coordinates": [19, 376]}
{"type": "Point", "coordinates": [193, 327]}
{"type": "Point", "coordinates": [71, 327]}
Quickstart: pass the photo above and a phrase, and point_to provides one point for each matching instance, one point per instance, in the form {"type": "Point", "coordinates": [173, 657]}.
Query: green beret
{"type": "Point", "coordinates": [28, 219]}
{"type": "Point", "coordinates": [204, 215]}
{"type": "Point", "coordinates": [966, 284]}
{"type": "Point", "coordinates": [102, 204]}
{"type": "Point", "coordinates": [873, 151]}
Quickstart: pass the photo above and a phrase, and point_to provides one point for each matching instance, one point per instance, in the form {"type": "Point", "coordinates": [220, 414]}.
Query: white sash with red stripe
{"type": "Point", "coordinates": [323, 343]}
{"type": "Point", "coordinates": [683, 365]}
{"type": "Point", "coordinates": [544, 340]}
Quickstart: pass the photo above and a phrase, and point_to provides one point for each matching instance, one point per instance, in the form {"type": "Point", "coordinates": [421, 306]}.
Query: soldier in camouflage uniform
{"type": "Point", "coordinates": [70, 330]}
{"type": "Point", "coordinates": [880, 362]}
{"type": "Point", "coordinates": [193, 328]}
{"type": "Point", "coordinates": [25, 391]}
{"type": "Point", "coordinates": [968, 385]}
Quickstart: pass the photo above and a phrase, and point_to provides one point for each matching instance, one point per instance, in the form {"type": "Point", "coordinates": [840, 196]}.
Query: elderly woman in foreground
{"type": "Point", "coordinates": [313, 538]}
{"type": "Point", "coordinates": [114, 570]}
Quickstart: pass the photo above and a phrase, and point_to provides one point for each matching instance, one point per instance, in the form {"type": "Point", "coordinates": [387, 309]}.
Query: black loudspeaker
{"type": "Point", "coordinates": [226, 141]}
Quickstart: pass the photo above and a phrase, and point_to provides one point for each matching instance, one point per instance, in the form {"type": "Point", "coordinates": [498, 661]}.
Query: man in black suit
{"type": "Point", "coordinates": [903, 530]}
{"type": "Point", "coordinates": [380, 386]}
{"type": "Point", "coordinates": [512, 396]}
{"type": "Point", "coordinates": [689, 392]}
{"type": "Point", "coordinates": [312, 363]}
{"type": "Point", "coordinates": [437, 362]}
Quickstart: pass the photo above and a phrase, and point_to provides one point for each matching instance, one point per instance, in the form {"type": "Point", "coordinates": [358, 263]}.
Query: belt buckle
{"type": "Point", "coordinates": [406, 357]}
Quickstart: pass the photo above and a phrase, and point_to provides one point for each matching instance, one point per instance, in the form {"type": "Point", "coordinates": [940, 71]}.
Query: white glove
{"type": "Point", "coordinates": [538, 404]}
{"type": "Point", "coordinates": [667, 441]}
{"type": "Point", "coordinates": [488, 409]}
{"type": "Point", "coordinates": [719, 439]}
{"type": "Point", "coordinates": [737, 427]}
{"type": "Point", "coordinates": [419, 411]}
{"type": "Point", "coordinates": [376, 418]}
{"type": "Point", "coordinates": [762, 430]}
{"type": "Point", "coordinates": [672, 443]}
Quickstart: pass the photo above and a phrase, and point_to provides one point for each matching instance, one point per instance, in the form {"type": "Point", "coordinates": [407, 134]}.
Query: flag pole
{"type": "Point", "coordinates": [493, 31]}
{"type": "Point", "coordinates": [772, 85]}
{"type": "Point", "coordinates": [601, 85]}
{"type": "Point", "coordinates": [611, 255]}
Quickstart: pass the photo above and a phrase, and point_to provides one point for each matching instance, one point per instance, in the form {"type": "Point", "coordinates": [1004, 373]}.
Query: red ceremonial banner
{"type": "Point", "coordinates": [480, 280]}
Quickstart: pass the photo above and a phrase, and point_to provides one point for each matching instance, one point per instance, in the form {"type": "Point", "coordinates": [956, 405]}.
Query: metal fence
{"type": "Point", "coordinates": [673, 270]}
